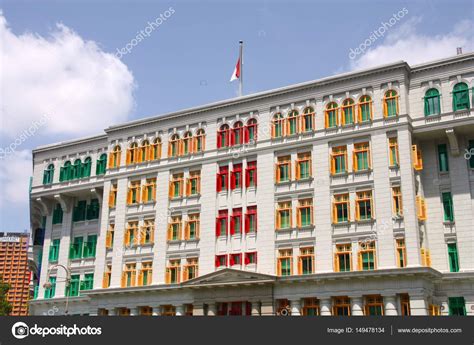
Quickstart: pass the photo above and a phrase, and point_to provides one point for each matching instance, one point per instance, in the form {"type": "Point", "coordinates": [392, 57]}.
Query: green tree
{"type": "Point", "coordinates": [5, 307]}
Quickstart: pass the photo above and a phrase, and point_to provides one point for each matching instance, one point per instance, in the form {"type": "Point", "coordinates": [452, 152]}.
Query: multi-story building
{"type": "Point", "coordinates": [14, 270]}
{"type": "Point", "coordinates": [348, 195]}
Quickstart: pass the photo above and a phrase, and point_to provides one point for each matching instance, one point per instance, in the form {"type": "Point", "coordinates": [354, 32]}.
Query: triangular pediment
{"type": "Point", "coordinates": [230, 276]}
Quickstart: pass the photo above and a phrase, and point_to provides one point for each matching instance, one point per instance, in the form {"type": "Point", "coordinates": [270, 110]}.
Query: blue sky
{"type": "Point", "coordinates": [188, 59]}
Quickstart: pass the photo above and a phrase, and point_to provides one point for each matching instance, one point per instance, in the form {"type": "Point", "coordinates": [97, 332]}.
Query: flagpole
{"type": "Point", "coordinates": [241, 43]}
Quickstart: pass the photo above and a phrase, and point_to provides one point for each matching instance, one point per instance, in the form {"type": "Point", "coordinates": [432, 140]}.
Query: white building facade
{"type": "Point", "coordinates": [349, 195]}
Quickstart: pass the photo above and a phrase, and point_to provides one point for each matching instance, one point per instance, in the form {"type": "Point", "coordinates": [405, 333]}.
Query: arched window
{"type": "Point", "coordinates": [187, 146]}
{"type": "Point", "coordinates": [390, 103]}
{"type": "Point", "coordinates": [365, 109]}
{"type": "Point", "coordinates": [101, 164]}
{"type": "Point", "coordinates": [331, 118]}
{"type": "Point", "coordinates": [250, 131]}
{"type": "Point", "coordinates": [348, 112]}
{"type": "Point", "coordinates": [156, 149]}
{"type": "Point", "coordinates": [237, 134]}
{"type": "Point", "coordinates": [145, 151]}
{"type": "Point", "coordinates": [173, 148]}
{"type": "Point", "coordinates": [292, 122]}
{"type": "Point", "coordinates": [460, 96]}
{"type": "Point", "coordinates": [86, 167]}
{"type": "Point", "coordinates": [65, 172]}
{"type": "Point", "coordinates": [278, 129]}
{"type": "Point", "coordinates": [76, 169]}
{"type": "Point", "coordinates": [133, 154]}
{"type": "Point", "coordinates": [307, 120]}
{"type": "Point", "coordinates": [48, 174]}
{"type": "Point", "coordinates": [114, 157]}
{"type": "Point", "coordinates": [200, 140]}
{"type": "Point", "coordinates": [432, 102]}
{"type": "Point", "coordinates": [223, 136]}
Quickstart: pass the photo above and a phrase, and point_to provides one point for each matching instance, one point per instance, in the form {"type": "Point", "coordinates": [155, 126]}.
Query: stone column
{"type": "Point", "coordinates": [295, 306]}
{"type": "Point", "coordinates": [211, 309]}
{"type": "Point", "coordinates": [156, 311]}
{"type": "Point", "coordinates": [179, 310]}
{"type": "Point", "coordinates": [325, 306]}
{"type": "Point", "coordinates": [267, 308]}
{"type": "Point", "coordinates": [357, 307]}
{"type": "Point", "coordinates": [418, 305]}
{"type": "Point", "coordinates": [255, 308]}
{"type": "Point", "coordinates": [112, 312]}
{"type": "Point", "coordinates": [198, 309]}
{"type": "Point", "coordinates": [390, 305]}
{"type": "Point", "coordinates": [133, 311]}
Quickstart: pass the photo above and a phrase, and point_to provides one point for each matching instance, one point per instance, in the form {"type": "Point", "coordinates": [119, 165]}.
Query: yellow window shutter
{"type": "Point", "coordinates": [144, 193]}
{"type": "Point", "coordinates": [357, 215]}
{"type": "Point", "coordinates": [153, 191]}
{"type": "Point", "coordinates": [181, 187]}
{"type": "Point", "coordinates": [279, 267]}
{"type": "Point", "coordinates": [359, 261]}
{"type": "Point", "coordinates": [111, 160]}
{"type": "Point", "coordinates": [336, 263]}
{"type": "Point", "coordinates": [334, 213]}
{"type": "Point", "coordinates": [170, 231]}
{"type": "Point", "coordinates": [354, 162]}
{"type": "Point", "coordinates": [332, 162]}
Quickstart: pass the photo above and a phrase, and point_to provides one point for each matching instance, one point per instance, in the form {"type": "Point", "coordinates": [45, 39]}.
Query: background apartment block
{"type": "Point", "coordinates": [14, 270]}
{"type": "Point", "coordinates": [349, 195]}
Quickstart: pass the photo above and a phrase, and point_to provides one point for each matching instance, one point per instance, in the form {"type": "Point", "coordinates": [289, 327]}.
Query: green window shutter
{"type": "Point", "coordinates": [453, 257]}
{"type": "Point", "coordinates": [457, 306]}
{"type": "Point", "coordinates": [86, 168]}
{"type": "Point", "coordinates": [53, 251]}
{"type": "Point", "coordinates": [448, 207]}
{"type": "Point", "coordinates": [90, 246]}
{"type": "Point", "coordinates": [88, 282]}
{"type": "Point", "coordinates": [58, 214]}
{"type": "Point", "coordinates": [460, 97]}
{"type": "Point", "coordinates": [73, 288]}
{"type": "Point", "coordinates": [443, 158]}
{"type": "Point", "coordinates": [79, 212]}
{"type": "Point", "coordinates": [75, 251]}
{"type": "Point", "coordinates": [101, 164]}
{"type": "Point", "coordinates": [93, 209]}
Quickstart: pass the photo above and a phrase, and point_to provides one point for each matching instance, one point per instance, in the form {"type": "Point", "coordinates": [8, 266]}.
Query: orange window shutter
{"type": "Point", "coordinates": [188, 187]}
{"type": "Point", "coordinates": [118, 158]}
{"type": "Point", "coordinates": [129, 157]}
{"type": "Point", "coordinates": [170, 189]}
{"type": "Point", "coordinates": [300, 265]}
{"type": "Point", "coordinates": [181, 188]}
{"type": "Point", "coordinates": [359, 261]}
{"type": "Point", "coordinates": [279, 267]}
{"type": "Point", "coordinates": [140, 278]}
{"type": "Point", "coordinates": [298, 217]}
{"type": "Point", "coordinates": [357, 215]}
{"type": "Point", "coordinates": [336, 263]}
{"type": "Point", "coordinates": [332, 161]}
{"type": "Point", "coordinates": [111, 199]}
{"type": "Point", "coordinates": [168, 276]}
{"type": "Point", "coordinates": [111, 160]}
{"type": "Point", "coordinates": [297, 169]}
{"type": "Point", "coordinates": [291, 217]}
{"type": "Point", "coordinates": [354, 161]}
{"type": "Point", "coordinates": [170, 230]}
{"type": "Point", "coordinates": [144, 193]}
{"type": "Point", "coordinates": [124, 279]}
{"type": "Point", "coordinates": [326, 119]}
{"type": "Point", "coordinates": [134, 278]}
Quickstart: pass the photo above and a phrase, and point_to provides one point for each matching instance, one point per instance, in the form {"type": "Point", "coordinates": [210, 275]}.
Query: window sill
{"type": "Point", "coordinates": [191, 240]}
{"type": "Point", "coordinates": [236, 236]}
{"type": "Point", "coordinates": [394, 167]}
{"type": "Point", "coordinates": [341, 224]}
{"type": "Point", "coordinates": [176, 198]}
{"type": "Point", "coordinates": [194, 196]}
{"type": "Point", "coordinates": [251, 189]}
{"type": "Point", "coordinates": [305, 179]}
{"type": "Point", "coordinates": [365, 122]}
{"type": "Point", "coordinates": [283, 183]}
{"type": "Point", "coordinates": [398, 217]}
{"type": "Point", "coordinates": [449, 222]}
{"type": "Point", "coordinates": [365, 221]}
{"type": "Point", "coordinates": [361, 172]}
{"type": "Point", "coordinates": [150, 244]}
{"type": "Point", "coordinates": [348, 125]}
{"type": "Point", "coordinates": [306, 227]}
{"type": "Point", "coordinates": [340, 174]}
{"type": "Point", "coordinates": [150, 202]}
{"type": "Point", "coordinates": [173, 241]}
{"type": "Point", "coordinates": [284, 229]}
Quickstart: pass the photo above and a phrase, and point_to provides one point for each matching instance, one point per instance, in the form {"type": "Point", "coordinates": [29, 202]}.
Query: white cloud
{"type": "Point", "coordinates": [82, 88]}
{"type": "Point", "coordinates": [405, 43]}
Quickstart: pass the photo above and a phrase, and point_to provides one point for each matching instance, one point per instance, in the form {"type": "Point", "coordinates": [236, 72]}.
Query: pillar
{"type": "Point", "coordinates": [179, 310]}
{"type": "Point", "coordinates": [133, 311]}
{"type": "Point", "coordinates": [156, 311]}
{"type": "Point", "coordinates": [357, 307]}
{"type": "Point", "coordinates": [390, 303]}
{"type": "Point", "coordinates": [418, 305]}
{"type": "Point", "coordinates": [198, 309]}
{"type": "Point", "coordinates": [295, 306]}
{"type": "Point", "coordinates": [211, 309]}
{"type": "Point", "coordinates": [267, 308]}
{"type": "Point", "coordinates": [255, 308]}
{"type": "Point", "coordinates": [112, 312]}
{"type": "Point", "coordinates": [325, 306]}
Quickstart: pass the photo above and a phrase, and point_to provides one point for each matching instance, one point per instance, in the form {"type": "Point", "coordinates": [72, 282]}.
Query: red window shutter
{"type": "Point", "coordinates": [246, 134]}
{"type": "Point", "coordinates": [247, 223]}
{"type": "Point", "coordinates": [218, 227]}
{"type": "Point", "coordinates": [247, 261]}
{"type": "Point", "coordinates": [232, 180]}
{"type": "Point", "coordinates": [232, 137]}
{"type": "Point", "coordinates": [232, 260]}
{"type": "Point", "coordinates": [232, 225]}
{"type": "Point", "coordinates": [227, 139]}
{"type": "Point", "coordinates": [247, 177]}
{"type": "Point", "coordinates": [217, 261]}
{"type": "Point", "coordinates": [219, 139]}
{"type": "Point", "coordinates": [256, 220]}
{"type": "Point", "coordinates": [218, 180]}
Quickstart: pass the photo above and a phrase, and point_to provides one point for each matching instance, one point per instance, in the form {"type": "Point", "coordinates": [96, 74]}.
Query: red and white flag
{"type": "Point", "coordinates": [236, 74]}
